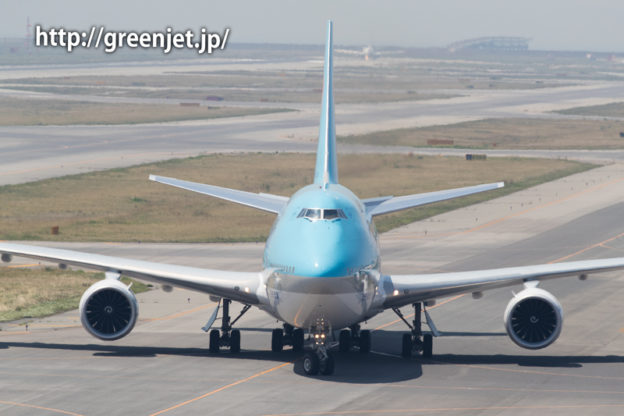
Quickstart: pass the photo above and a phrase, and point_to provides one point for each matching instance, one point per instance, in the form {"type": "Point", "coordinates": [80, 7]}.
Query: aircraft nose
{"type": "Point", "coordinates": [321, 248]}
{"type": "Point", "coordinates": [327, 266]}
{"type": "Point", "coordinates": [332, 258]}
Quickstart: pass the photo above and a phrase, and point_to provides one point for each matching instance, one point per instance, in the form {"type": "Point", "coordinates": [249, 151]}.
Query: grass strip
{"type": "Point", "coordinates": [513, 133]}
{"type": "Point", "coordinates": [38, 292]}
{"type": "Point", "coordinates": [32, 112]}
{"type": "Point", "coordinates": [123, 205]}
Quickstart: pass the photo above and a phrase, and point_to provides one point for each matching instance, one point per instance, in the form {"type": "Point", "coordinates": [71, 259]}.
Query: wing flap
{"type": "Point", "coordinates": [410, 201]}
{"type": "Point", "coordinates": [406, 289]}
{"type": "Point", "coordinates": [240, 286]}
{"type": "Point", "coordinates": [265, 202]}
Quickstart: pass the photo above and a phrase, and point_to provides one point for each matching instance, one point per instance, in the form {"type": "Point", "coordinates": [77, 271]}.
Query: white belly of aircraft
{"type": "Point", "coordinates": [305, 301]}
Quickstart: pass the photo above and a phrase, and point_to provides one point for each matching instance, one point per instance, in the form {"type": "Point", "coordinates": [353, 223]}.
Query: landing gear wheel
{"type": "Point", "coordinates": [365, 341]}
{"type": "Point", "coordinates": [327, 365]}
{"type": "Point", "coordinates": [406, 346]}
{"type": "Point", "coordinates": [235, 338]}
{"type": "Point", "coordinates": [311, 363]}
{"type": "Point", "coordinates": [344, 342]}
{"type": "Point", "coordinates": [297, 340]}
{"type": "Point", "coordinates": [427, 346]}
{"type": "Point", "coordinates": [215, 337]}
{"type": "Point", "coordinates": [277, 340]}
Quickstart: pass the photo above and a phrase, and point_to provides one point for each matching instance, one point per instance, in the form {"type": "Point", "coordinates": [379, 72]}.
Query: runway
{"type": "Point", "coordinates": [30, 153]}
{"type": "Point", "coordinates": [163, 367]}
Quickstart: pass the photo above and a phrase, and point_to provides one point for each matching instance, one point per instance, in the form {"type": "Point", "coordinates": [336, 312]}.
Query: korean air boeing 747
{"type": "Point", "coordinates": [321, 270]}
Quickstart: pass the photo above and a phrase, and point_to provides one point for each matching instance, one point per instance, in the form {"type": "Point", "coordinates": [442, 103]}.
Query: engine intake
{"type": "Point", "coordinates": [108, 310]}
{"type": "Point", "coordinates": [533, 318]}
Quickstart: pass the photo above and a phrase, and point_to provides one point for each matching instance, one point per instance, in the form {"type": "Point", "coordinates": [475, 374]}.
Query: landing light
{"type": "Point", "coordinates": [395, 293]}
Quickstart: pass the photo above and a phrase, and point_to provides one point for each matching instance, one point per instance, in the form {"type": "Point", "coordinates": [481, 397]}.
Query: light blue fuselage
{"type": "Point", "coordinates": [323, 270]}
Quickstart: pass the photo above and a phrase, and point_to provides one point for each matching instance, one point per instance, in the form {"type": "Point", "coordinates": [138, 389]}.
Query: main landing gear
{"type": "Point", "coordinates": [227, 337]}
{"type": "Point", "coordinates": [287, 336]}
{"type": "Point", "coordinates": [416, 341]}
{"type": "Point", "coordinates": [354, 337]}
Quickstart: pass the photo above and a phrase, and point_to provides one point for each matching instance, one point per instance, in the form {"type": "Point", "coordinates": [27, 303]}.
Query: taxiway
{"type": "Point", "coordinates": [163, 367]}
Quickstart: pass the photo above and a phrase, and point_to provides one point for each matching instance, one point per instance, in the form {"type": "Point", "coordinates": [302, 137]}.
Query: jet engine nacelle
{"type": "Point", "coordinates": [533, 318]}
{"type": "Point", "coordinates": [108, 310]}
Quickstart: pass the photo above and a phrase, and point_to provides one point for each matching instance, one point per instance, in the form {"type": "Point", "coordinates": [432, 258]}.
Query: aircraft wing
{"type": "Point", "coordinates": [399, 203]}
{"type": "Point", "coordinates": [406, 289]}
{"type": "Point", "coordinates": [265, 202]}
{"type": "Point", "coordinates": [240, 286]}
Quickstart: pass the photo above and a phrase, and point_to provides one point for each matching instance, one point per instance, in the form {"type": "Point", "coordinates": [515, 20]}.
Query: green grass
{"type": "Point", "coordinates": [17, 111]}
{"type": "Point", "coordinates": [39, 292]}
{"type": "Point", "coordinates": [388, 222]}
{"type": "Point", "coordinates": [122, 205]}
{"type": "Point", "coordinates": [280, 95]}
{"type": "Point", "coordinates": [505, 134]}
{"type": "Point", "coordinates": [606, 110]}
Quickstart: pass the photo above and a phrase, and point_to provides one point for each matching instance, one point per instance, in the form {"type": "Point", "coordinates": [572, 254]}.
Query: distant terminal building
{"type": "Point", "coordinates": [496, 43]}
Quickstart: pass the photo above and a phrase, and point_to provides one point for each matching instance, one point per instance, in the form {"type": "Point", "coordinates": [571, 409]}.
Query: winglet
{"type": "Point", "coordinates": [326, 171]}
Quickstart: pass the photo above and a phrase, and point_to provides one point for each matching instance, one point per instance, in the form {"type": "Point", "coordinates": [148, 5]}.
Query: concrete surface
{"type": "Point", "coordinates": [163, 366]}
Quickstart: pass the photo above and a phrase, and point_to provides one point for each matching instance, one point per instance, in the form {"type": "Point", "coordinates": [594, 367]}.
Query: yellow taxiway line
{"type": "Point", "coordinates": [210, 393]}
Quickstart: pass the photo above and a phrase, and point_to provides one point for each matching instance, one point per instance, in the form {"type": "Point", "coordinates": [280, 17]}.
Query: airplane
{"type": "Point", "coordinates": [321, 270]}
{"type": "Point", "coordinates": [368, 52]}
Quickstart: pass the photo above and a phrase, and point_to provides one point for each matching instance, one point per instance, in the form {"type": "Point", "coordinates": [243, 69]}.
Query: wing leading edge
{"type": "Point", "coordinates": [239, 286]}
{"type": "Point", "coordinates": [406, 289]}
{"type": "Point", "coordinates": [385, 205]}
{"type": "Point", "coordinates": [265, 202]}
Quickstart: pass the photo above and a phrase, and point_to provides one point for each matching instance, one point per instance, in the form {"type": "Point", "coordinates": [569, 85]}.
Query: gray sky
{"type": "Point", "coordinates": [596, 25]}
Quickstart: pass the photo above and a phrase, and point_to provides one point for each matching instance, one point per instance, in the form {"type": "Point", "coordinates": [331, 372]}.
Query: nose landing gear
{"type": "Point", "coordinates": [319, 360]}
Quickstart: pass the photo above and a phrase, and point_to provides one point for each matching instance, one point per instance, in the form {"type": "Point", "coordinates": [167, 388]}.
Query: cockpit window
{"type": "Point", "coordinates": [314, 214]}
{"type": "Point", "coordinates": [330, 214]}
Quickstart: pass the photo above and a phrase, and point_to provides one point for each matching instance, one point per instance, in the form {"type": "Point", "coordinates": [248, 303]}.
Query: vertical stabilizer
{"type": "Point", "coordinates": [326, 171]}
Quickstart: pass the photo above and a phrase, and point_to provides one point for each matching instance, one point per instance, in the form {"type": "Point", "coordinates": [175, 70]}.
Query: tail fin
{"type": "Point", "coordinates": [326, 171]}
